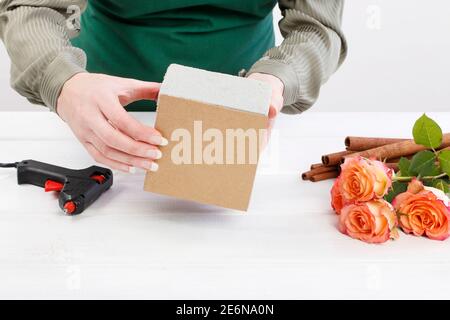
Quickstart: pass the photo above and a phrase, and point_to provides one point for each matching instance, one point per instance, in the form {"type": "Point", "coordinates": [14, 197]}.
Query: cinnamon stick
{"type": "Point", "coordinates": [398, 149]}
{"type": "Point", "coordinates": [307, 175]}
{"type": "Point", "coordinates": [365, 143]}
{"type": "Point", "coordinates": [334, 173]}
{"type": "Point", "coordinates": [396, 160]}
{"type": "Point", "coordinates": [335, 158]}
{"type": "Point", "coordinates": [316, 165]}
{"type": "Point", "coordinates": [325, 176]}
{"type": "Point", "coordinates": [320, 174]}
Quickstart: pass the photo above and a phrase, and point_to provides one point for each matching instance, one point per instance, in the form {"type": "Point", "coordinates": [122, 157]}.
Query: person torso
{"type": "Point", "coordinates": [139, 39]}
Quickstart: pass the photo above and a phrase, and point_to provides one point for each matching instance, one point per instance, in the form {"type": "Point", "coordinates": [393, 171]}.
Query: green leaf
{"type": "Point", "coordinates": [430, 170]}
{"type": "Point", "coordinates": [444, 160]}
{"type": "Point", "coordinates": [404, 165]}
{"type": "Point", "coordinates": [396, 189]}
{"type": "Point", "coordinates": [422, 162]}
{"type": "Point", "coordinates": [441, 185]}
{"type": "Point", "coordinates": [427, 132]}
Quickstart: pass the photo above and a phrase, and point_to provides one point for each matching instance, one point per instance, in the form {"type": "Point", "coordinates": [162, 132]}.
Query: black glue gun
{"type": "Point", "coordinates": [77, 188]}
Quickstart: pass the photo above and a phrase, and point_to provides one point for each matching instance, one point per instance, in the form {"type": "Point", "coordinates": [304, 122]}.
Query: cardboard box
{"type": "Point", "coordinates": [211, 121]}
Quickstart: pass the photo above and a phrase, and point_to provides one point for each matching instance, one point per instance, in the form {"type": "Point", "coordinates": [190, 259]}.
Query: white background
{"type": "Point", "coordinates": [398, 60]}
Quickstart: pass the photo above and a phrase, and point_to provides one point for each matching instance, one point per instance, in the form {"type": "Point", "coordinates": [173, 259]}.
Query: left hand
{"type": "Point", "coordinates": [276, 102]}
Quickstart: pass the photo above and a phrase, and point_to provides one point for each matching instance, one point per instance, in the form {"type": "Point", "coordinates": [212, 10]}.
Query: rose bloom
{"type": "Point", "coordinates": [337, 203]}
{"type": "Point", "coordinates": [423, 211]}
{"type": "Point", "coordinates": [361, 180]}
{"type": "Point", "coordinates": [373, 222]}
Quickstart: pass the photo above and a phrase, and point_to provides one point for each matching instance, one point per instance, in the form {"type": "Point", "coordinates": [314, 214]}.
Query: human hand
{"type": "Point", "coordinates": [276, 102]}
{"type": "Point", "coordinates": [92, 106]}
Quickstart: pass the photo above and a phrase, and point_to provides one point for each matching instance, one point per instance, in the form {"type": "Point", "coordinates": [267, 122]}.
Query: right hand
{"type": "Point", "coordinates": [92, 106]}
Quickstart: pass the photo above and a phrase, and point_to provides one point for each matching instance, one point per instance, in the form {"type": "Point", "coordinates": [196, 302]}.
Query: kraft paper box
{"type": "Point", "coordinates": [215, 124]}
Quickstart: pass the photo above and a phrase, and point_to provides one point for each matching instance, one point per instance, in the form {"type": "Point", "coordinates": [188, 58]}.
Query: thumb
{"type": "Point", "coordinates": [140, 90]}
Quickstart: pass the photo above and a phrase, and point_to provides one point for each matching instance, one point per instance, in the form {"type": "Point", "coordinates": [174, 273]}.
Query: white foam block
{"type": "Point", "coordinates": [217, 89]}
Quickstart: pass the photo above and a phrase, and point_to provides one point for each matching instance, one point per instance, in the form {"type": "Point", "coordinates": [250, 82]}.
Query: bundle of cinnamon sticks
{"type": "Point", "coordinates": [388, 150]}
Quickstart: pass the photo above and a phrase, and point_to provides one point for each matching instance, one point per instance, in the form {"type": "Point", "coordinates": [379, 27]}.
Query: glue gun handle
{"type": "Point", "coordinates": [37, 173]}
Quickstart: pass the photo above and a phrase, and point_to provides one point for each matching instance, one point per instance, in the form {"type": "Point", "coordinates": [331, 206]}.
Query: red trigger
{"type": "Point", "coordinates": [51, 185]}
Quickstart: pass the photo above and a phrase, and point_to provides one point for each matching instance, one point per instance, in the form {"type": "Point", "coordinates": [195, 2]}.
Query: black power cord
{"type": "Point", "coordinates": [9, 165]}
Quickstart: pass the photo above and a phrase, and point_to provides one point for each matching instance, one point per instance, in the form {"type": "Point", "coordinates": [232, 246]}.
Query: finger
{"type": "Point", "coordinates": [275, 106]}
{"type": "Point", "coordinates": [140, 90]}
{"type": "Point", "coordinates": [126, 123]}
{"type": "Point", "coordinates": [122, 157]}
{"type": "Point", "coordinates": [119, 141]}
{"type": "Point", "coordinates": [272, 112]}
{"type": "Point", "coordinates": [98, 157]}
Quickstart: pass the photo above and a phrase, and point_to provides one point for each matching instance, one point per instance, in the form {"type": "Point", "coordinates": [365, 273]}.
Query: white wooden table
{"type": "Point", "coordinates": [132, 244]}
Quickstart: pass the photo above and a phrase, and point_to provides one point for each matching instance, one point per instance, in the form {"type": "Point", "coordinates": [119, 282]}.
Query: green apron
{"type": "Point", "coordinates": [139, 39]}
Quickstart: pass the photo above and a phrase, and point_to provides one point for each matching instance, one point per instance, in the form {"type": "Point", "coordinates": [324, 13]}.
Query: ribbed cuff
{"type": "Point", "coordinates": [282, 71]}
{"type": "Point", "coordinates": [61, 69]}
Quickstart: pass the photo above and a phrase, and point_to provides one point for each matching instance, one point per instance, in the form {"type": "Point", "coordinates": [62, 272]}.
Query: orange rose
{"type": "Point", "coordinates": [362, 180]}
{"type": "Point", "coordinates": [423, 211]}
{"type": "Point", "coordinates": [373, 222]}
{"type": "Point", "coordinates": [337, 202]}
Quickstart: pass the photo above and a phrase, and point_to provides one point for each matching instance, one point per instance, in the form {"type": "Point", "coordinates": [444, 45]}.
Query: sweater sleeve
{"type": "Point", "coordinates": [313, 48]}
{"type": "Point", "coordinates": [37, 35]}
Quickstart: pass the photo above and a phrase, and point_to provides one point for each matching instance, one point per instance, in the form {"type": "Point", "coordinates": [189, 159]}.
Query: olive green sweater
{"type": "Point", "coordinates": [37, 37]}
